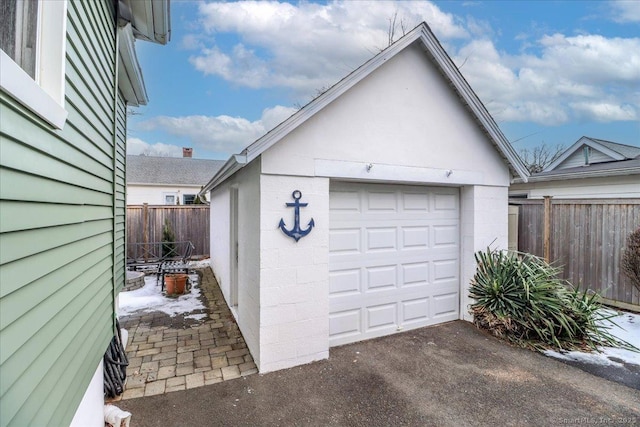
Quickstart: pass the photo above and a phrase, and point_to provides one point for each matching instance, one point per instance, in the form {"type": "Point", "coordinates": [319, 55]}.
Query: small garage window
{"type": "Point", "coordinates": [188, 199]}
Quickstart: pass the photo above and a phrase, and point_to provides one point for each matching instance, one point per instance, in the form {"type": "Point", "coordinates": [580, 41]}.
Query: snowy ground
{"type": "Point", "coordinates": [627, 329]}
{"type": "Point", "coordinates": [149, 298]}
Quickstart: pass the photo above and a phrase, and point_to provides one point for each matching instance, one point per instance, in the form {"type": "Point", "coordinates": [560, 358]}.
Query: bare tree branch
{"type": "Point", "coordinates": [538, 158]}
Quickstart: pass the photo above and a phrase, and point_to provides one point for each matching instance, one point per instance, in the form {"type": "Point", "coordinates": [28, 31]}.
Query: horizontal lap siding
{"type": "Point", "coordinates": [58, 230]}
{"type": "Point", "coordinates": [120, 194]}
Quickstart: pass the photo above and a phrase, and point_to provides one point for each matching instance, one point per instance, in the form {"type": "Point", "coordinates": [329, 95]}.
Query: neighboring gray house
{"type": "Point", "coordinates": [405, 175]}
{"type": "Point", "coordinates": [167, 180]}
{"type": "Point", "coordinates": [68, 70]}
{"type": "Point", "coordinates": [590, 168]}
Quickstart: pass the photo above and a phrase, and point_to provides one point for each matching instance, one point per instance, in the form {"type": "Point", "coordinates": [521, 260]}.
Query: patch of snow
{"type": "Point", "coordinates": [203, 263]}
{"type": "Point", "coordinates": [197, 316]}
{"type": "Point", "coordinates": [149, 298]}
{"type": "Point", "coordinates": [626, 328]}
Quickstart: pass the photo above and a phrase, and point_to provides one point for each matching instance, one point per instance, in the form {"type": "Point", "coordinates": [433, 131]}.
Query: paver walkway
{"type": "Point", "coordinates": [168, 354]}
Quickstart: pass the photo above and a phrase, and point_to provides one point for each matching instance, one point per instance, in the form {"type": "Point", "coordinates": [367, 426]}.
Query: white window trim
{"type": "Point", "coordinates": [45, 95]}
{"type": "Point", "coordinates": [175, 198]}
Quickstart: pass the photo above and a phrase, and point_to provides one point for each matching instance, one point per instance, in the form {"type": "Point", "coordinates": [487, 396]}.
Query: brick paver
{"type": "Point", "coordinates": [169, 354]}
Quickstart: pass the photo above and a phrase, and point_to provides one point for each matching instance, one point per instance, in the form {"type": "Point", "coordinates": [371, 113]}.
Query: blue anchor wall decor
{"type": "Point", "coordinates": [296, 232]}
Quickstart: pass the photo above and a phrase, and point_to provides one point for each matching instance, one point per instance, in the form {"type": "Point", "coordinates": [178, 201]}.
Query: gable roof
{"type": "Point", "coordinates": [594, 170]}
{"type": "Point", "coordinates": [617, 152]}
{"type": "Point", "coordinates": [421, 34]}
{"type": "Point", "coordinates": [170, 170]}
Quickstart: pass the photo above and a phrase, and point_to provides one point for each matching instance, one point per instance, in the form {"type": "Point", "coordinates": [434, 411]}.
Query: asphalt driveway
{"type": "Point", "coordinates": [447, 375]}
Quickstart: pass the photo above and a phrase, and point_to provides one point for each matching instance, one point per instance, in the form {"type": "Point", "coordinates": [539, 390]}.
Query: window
{"type": "Point", "coordinates": [32, 55]}
{"type": "Point", "coordinates": [18, 34]}
{"type": "Point", "coordinates": [170, 198]}
{"type": "Point", "coordinates": [188, 199]}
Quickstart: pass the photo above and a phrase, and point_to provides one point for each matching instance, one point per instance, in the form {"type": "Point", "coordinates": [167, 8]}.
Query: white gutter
{"type": "Point", "coordinates": [130, 80]}
{"type": "Point", "coordinates": [234, 164]}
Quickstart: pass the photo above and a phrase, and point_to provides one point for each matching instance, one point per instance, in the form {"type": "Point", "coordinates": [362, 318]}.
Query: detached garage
{"type": "Point", "coordinates": [359, 216]}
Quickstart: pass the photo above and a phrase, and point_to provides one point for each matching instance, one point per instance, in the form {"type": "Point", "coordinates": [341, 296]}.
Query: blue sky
{"type": "Point", "coordinates": [548, 71]}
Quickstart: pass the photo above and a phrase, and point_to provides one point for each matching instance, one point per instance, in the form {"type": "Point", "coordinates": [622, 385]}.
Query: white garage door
{"type": "Point", "coordinates": [393, 259]}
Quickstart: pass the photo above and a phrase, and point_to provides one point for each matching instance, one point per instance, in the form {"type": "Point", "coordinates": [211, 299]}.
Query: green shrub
{"type": "Point", "coordinates": [519, 297]}
{"type": "Point", "coordinates": [168, 239]}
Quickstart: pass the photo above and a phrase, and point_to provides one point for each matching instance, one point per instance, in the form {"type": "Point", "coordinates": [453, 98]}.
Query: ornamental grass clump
{"type": "Point", "coordinates": [520, 298]}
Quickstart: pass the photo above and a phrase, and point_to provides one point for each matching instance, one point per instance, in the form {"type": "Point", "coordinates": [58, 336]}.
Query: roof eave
{"type": "Point", "coordinates": [151, 20]}
{"type": "Point", "coordinates": [583, 174]}
{"type": "Point", "coordinates": [130, 80]}
{"type": "Point", "coordinates": [451, 72]}
{"type": "Point", "coordinates": [234, 164]}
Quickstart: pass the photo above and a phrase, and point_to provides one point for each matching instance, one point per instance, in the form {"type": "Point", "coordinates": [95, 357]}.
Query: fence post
{"type": "Point", "coordinates": [546, 244]}
{"type": "Point", "coordinates": [145, 229]}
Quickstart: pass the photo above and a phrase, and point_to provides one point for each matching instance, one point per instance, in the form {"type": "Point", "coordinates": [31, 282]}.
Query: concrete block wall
{"type": "Point", "coordinates": [294, 296]}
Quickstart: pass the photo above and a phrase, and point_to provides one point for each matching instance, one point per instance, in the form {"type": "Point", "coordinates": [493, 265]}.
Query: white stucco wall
{"type": "Point", "coordinates": [615, 187]}
{"type": "Point", "coordinates": [219, 213]}
{"type": "Point", "coordinates": [247, 311]}
{"type": "Point", "coordinates": [154, 194]}
{"type": "Point", "coordinates": [403, 114]}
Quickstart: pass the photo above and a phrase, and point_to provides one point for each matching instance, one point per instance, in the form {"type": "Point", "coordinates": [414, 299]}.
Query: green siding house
{"type": "Point", "coordinates": [68, 72]}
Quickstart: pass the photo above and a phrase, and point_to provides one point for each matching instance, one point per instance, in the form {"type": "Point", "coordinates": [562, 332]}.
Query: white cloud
{"type": "Point", "coordinates": [605, 112]}
{"type": "Point", "coordinates": [626, 11]}
{"type": "Point", "coordinates": [224, 134]}
{"type": "Point", "coordinates": [136, 146]}
{"type": "Point", "coordinates": [306, 46]}
{"type": "Point", "coordinates": [586, 77]}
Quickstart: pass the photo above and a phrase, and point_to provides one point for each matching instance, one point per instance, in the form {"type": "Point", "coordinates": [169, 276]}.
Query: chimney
{"type": "Point", "coordinates": [187, 152]}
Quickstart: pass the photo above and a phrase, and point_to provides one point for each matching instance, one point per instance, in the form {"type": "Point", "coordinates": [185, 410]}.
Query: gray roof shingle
{"type": "Point", "coordinates": [627, 151]}
{"type": "Point", "coordinates": [171, 170]}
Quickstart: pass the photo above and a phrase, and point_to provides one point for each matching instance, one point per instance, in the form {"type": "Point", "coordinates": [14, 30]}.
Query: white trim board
{"type": "Point", "coordinates": [389, 173]}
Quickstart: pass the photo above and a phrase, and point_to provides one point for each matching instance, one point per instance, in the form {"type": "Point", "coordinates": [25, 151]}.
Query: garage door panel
{"type": "Point", "coordinates": [445, 270]}
{"type": "Point", "coordinates": [345, 324]}
{"type": "Point", "coordinates": [414, 310]}
{"type": "Point", "coordinates": [381, 316]}
{"type": "Point", "coordinates": [393, 258]}
{"type": "Point", "coordinates": [345, 201]}
{"type": "Point", "coordinates": [415, 202]}
{"type": "Point", "coordinates": [346, 240]}
{"type": "Point", "coordinates": [344, 282]}
{"type": "Point", "coordinates": [445, 305]}
{"type": "Point", "coordinates": [445, 235]}
{"type": "Point", "coordinates": [380, 202]}
{"type": "Point", "coordinates": [415, 237]}
{"type": "Point", "coordinates": [381, 277]}
{"type": "Point", "coordinates": [445, 201]}
{"type": "Point", "coordinates": [381, 239]}
{"type": "Point", "coordinates": [415, 274]}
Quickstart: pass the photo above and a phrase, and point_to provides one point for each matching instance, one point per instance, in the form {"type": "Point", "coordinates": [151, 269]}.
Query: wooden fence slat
{"type": "Point", "coordinates": [189, 223]}
{"type": "Point", "coordinates": [588, 238]}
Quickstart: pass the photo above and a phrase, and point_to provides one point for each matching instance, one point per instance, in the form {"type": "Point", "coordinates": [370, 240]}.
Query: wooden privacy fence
{"type": "Point", "coordinates": [189, 223]}
{"type": "Point", "coordinates": [586, 238]}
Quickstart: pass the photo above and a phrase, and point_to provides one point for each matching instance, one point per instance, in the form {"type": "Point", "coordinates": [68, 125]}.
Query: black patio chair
{"type": "Point", "coordinates": [174, 266]}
